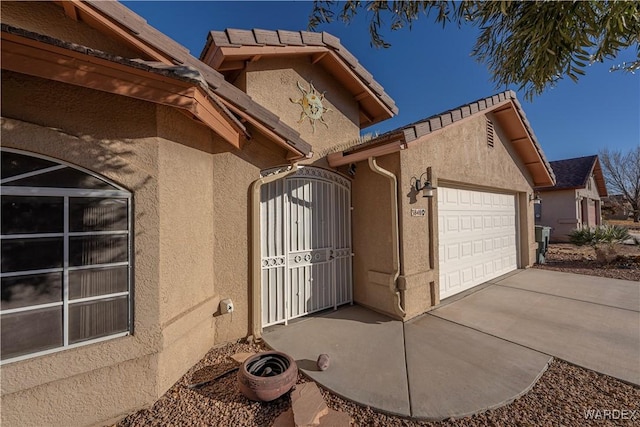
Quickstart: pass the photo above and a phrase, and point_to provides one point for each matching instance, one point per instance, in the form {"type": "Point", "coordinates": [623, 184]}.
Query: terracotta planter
{"type": "Point", "coordinates": [267, 376]}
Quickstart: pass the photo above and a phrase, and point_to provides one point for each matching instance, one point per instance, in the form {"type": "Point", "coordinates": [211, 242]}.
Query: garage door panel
{"type": "Point", "coordinates": [466, 250]}
{"type": "Point", "coordinates": [477, 238]}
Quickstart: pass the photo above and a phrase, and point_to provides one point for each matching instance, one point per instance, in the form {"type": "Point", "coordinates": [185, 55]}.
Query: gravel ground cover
{"type": "Point", "coordinates": [562, 397]}
{"type": "Point", "coordinates": [570, 258]}
{"type": "Point", "coordinates": [565, 395]}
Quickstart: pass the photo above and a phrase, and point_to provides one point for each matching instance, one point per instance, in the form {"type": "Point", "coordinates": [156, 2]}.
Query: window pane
{"type": "Point", "coordinates": [64, 178]}
{"type": "Point", "coordinates": [31, 254]}
{"type": "Point", "coordinates": [33, 289]}
{"type": "Point", "coordinates": [21, 214]}
{"type": "Point", "coordinates": [98, 281]}
{"type": "Point", "coordinates": [95, 214]}
{"type": "Point", "coordinates": [30, 331]}
{"type": "Point", "coordinates": [96, 319]}
{"type": "Point", "coordinates": [88, 250]}
{"type": "Point", "coordinates": [16, 164]}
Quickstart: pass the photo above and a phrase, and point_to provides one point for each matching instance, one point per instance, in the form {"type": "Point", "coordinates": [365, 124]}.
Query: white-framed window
{"type": "Point", "coordinates": [66, 257]}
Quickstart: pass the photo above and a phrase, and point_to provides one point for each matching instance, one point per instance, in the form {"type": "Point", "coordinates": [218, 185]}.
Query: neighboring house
{"type": "Point", "coordinates": [151, 185]}
{"type": "Point", "coordinates": [575, 200]}
{"type": "Point", "coordinates": [616, 207]}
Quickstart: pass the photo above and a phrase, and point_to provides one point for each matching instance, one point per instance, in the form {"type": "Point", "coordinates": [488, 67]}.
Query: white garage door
{"type": "Point", "coordinates": [477, 238]}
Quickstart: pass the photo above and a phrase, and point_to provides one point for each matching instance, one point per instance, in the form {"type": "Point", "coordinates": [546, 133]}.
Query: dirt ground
{"type": "Point", "coordinates": [582, 260]}
{"type": "Point", "coordinates": [632, 226]}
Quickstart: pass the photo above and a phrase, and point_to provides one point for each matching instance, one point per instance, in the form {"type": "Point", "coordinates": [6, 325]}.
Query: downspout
{"type": "Point", "coordinates": [393, 191]}
{"type": "Point", "coordinates": [256, 255]}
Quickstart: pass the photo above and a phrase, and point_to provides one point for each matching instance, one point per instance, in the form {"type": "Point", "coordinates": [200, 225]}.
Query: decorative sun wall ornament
{"type": "Point", "coordinates": [311, 103]}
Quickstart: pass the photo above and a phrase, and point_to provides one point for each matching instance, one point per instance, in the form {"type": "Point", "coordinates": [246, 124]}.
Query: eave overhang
{"type": "Point", "coordinates": [47, 58]}
{"type": "Point", "coordinates": [518, 132]}
{"type": "Point", "coordinates": [115, 20]}
{"type": "Point", "coordinates": [505, 110]}
{"type": "Point", "coordinates": [598, 177]}
{"type": "Point", "coordinates": [320, 48]}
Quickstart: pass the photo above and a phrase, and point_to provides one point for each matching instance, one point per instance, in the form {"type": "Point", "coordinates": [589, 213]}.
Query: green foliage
{"type": "Point", "coordinates": [532, 44]}
{"type": "Point", "coordinates": [598, 235]}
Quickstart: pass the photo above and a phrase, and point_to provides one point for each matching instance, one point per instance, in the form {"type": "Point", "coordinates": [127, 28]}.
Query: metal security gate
{"type": "Point", "coordinates": [306, 244]}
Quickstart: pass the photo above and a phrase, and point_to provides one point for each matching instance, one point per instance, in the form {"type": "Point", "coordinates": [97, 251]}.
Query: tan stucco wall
{"type": "Point", "coordinates": [371, 221]}
{"type": "Point", "coordinates": [559, 210]}
{"type": "Point", "coordinates": [272, 82]}
{"type": "Point", "coordinates": [233, 174]}
{"type": "Point", "coordinates": [48, 18]}
{"type": "Point", "coordinates": [459, 156]}
{"type": "Point", "coordinates": [175, 169]}
{"type": "Point", "coordinates": [562, 210]}
{"type": "Point", "coordinates": [591, 196]}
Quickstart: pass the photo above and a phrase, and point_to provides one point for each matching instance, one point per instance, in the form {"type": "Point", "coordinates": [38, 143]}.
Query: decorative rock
{"type": "Point", "coordinates": [308, 405]}
{"type": "Point", "coordinates": [335, 419]}
{"type": "Point", "coordinates": [323, 362]}
{"type": "Point", "coordinates": [285, 419]}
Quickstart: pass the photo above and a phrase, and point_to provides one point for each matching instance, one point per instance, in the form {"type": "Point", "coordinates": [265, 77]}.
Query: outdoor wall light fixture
{"type": "Point", "coordinates": [535, 198]}
{"type": "Point", "coordinates": [426, 188]}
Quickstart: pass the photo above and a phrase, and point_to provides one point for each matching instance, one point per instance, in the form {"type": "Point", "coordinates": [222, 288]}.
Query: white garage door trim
{"type": "Point", "coordinates": [477, 232]}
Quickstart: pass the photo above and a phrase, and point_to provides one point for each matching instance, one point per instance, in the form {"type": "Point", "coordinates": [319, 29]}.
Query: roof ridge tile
{"type": "Point", "coordinates": [267, 37]}
{"type": "Point", "coordinates": [242, 37]}
{"type": "Point", "coordinates": [291, 38]}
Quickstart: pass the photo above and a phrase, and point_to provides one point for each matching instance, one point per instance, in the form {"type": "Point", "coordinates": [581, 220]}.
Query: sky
{"type": "Point", "coordinates": [428, 70]}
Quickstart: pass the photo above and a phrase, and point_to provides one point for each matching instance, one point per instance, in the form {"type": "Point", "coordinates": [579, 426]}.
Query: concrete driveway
{"type": "Point", "coordinates": [590, 321]}
{"type": "Point", "coordinates": [481, 350]}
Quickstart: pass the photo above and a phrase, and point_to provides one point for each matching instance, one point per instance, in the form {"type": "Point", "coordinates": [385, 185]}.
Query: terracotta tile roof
{"type": "Point", "coordinates": [430, 124]}
{"type": "Point", "coordinates": [438, 121]}
{"type": "Point", "coordinates": [181, 56]}
{"type": "Point", "coordinates": [575, 173]}
{"type": "Point", "coordinates": [177, 72]}
{"type": "Point", "coordinates": [257, 37]}
{"type": "Point", "coordinates": [426, 126]}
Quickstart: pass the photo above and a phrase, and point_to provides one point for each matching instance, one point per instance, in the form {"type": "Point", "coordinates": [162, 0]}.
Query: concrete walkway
{"type": "Point", "coordinates": [590, 321]}
{"type": "Point", "coordinates": [478, 352]}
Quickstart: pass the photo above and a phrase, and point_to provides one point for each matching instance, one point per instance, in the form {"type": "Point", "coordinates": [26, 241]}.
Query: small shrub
{"type": "Point", "coordinates": [594, 236]}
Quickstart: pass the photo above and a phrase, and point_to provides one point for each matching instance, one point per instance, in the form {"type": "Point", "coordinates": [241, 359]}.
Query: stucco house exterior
{"type": "Point", "coordinates": [575, 200]}
{"type": "Point", "coordinates": [152, 185]}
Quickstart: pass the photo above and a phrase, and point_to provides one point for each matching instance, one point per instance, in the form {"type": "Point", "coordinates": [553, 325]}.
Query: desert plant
{"type": "Point", "coordinates": [602, 234]}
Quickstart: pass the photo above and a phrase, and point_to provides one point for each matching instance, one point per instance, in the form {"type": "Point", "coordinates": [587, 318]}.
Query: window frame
{"type": "Point", "coordinates": [66, 194]}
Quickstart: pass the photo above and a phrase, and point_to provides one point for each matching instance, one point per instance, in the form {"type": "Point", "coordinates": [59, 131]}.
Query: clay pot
{"type": "Point", "coordinates": [267, 376]}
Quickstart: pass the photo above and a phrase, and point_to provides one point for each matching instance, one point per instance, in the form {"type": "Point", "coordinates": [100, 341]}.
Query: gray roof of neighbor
{"type": "Point", "coordinates": [257, 37]}
{"type": "Point", "coordinates": [573, 173]}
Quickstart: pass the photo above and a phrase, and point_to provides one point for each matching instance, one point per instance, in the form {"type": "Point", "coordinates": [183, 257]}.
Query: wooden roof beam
{"type": "Point", "coordinates": [232, 66]}
{"type": "Point", "coordinates": [85, 11]}
{"type": "Point", "coordinates": [56, 63]}
{"type": "Point", "coordinates": [70, 10]}
{"type": "Point", "coordinates": [315, 58]}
